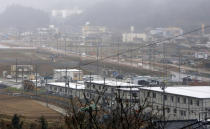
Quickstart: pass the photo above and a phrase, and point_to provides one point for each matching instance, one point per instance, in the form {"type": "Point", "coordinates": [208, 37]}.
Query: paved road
{"type": "Point", "coordinates": [53, 107]}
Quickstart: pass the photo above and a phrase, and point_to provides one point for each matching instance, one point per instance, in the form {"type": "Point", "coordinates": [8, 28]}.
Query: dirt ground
{"type": "Point", "coordinates": [27, 108]}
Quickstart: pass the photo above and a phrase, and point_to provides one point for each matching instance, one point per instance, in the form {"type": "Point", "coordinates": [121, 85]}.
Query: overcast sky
{"type": "Point", "coordinates": [49, 4]}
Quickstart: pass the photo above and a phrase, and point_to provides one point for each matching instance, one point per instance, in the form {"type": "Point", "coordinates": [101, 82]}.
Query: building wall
{"type": "Point", "coordinates": [66, 91]}
{"type": "Point", "coordinates": [177, 107]}
{"type": "Point", "coordinates": [25, 70]}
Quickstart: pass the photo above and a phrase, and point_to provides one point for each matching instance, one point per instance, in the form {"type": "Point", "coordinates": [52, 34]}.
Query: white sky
{"type": "Point", "coordinates": [48, 4]}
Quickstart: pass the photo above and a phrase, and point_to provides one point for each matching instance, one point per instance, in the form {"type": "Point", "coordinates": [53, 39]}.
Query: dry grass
{"type": "Point", "coordinates": [27, 108]}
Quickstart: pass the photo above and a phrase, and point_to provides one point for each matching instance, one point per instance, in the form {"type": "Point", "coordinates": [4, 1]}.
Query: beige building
{"type": "Point", "coordinates": [21, 70]}
{"type": "Point", "coordinates": [133, 37]}
{"type": "Point", "coordinates": [89, 30]}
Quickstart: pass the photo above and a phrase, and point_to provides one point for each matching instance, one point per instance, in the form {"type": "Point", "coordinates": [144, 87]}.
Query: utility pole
{"type": "Point", "coordinates": [165, 81]}
{"type": "Point", "coordinates": [36, 79]}
{"type": "Point", "coordinates": [65, 45]}
{"type": "Point", "coordinates": [179, 64]}
{"type": "Point", "coordinates": [118, 56]}
{"type": "Point", "coordinates": [22, 73]}
{"type": "Point", "coordinates": [66, 81]}
{"type": "Point", "coordinates": [150, 57]}
{"type": "Point", "coordinates": [16, 71]}
{"type": "Point", "coordinates": [47, 89]}
{"type": "Point", "coordinates": [97, 58]}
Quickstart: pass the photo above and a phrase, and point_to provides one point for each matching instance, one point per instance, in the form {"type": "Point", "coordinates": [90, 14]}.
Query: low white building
{"type": "Point", "coordinates": [201, 55]}
{"type": "Point", "coordinates": [69, 74]}
{"type": "Point", "coordinates": [181, 102]}
{"type": "Point", "coordinates": [133, 37]}
{"type": "Point", "coordinates": [107, 90]}
{"type": "Point", "coordinates": [70, 89]}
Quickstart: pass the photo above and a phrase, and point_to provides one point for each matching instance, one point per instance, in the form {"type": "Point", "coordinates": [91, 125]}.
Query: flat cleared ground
{"type": "Point", "coordinates": [27, 108]}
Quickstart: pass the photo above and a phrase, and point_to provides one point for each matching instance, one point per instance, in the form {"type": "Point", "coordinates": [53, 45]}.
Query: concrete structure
{"type": "Point", "coordinates": [68, 75]}
{"type": "Point", "coordinates": [67, 89]}
{"type": "Point", "coordinates": [21, 70]}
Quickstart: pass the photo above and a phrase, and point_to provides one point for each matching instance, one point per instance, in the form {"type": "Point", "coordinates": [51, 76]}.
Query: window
{"type": "Point", "coordinates": [148, 94]}
{"type": "Point", "coordinates": [191, 102]}
{"type": "Point", "coordinates": [184, 100]}
{"type": "Point", "coordinates": [198, 103]}
{"type": "Point", "coordinates": [154, 95]}
{"type": "Point", "coordinates": [184, 113]}
{"type": "Point", "coordinates": [93, 86]}
{"type": "Point", "coordinates": [99, 87]}
{"type": "Point", "coordinates": [172, 98]}
{"type": "Point", "coordinates": [165, 97]}
{"type": "Point", "coordinates": [88, 86]}
{"type": "Point", "coordinates": [178, 100]}
{"type": "Point", "coordinates": [112, 89]}
{"type": "Point", "coordinates": [175, 110]}
{"type": "Point", "coordinates": [134, 95]}
{"type": "Point", "coordinates": [168, 110]}
{"type": "Point", "coordinates": [181, 113]}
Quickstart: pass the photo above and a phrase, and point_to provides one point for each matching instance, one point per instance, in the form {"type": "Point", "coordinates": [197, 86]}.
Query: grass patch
{"type": "Point", "coordinates": [13, 89]}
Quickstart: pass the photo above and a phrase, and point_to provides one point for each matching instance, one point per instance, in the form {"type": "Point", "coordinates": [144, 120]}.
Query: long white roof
{"type": "Point", "coordinates": [71, 85]}
{"type": "Point", "coordinates": [68, 70]}
{"type": "Point", "coordinates": [191, 91]}
{"type": "Point", "coordinates": [113, 83]}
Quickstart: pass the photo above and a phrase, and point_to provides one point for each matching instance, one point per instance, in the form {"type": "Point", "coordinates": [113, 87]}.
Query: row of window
{"type": "Point", "coordinates": [172, 99]}
{"type": "Point", "coordinates": [175, 111]}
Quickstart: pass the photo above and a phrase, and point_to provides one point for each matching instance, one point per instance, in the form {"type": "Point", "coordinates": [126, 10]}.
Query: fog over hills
{"type": "Point", "coordinates": [147, 13]}
{"type": "Point", "coordinates": [119, 14]}
{"type": "Point", "coordinates": [23, 18]}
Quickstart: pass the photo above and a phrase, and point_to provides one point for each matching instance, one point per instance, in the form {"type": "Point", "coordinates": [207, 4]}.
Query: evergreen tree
{"type": "Point", "coordinates": [16, 122]}
{"type": "Point", "coordinates": [43, 123]}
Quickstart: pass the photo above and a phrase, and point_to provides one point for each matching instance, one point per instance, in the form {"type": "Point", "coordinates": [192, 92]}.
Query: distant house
{"type": "Point", "coordinates": [201, 55]}
{"type": "Point", "coordinates": [146, 80]}
{"type": "Point", "coordinates": [68, 74]}
{"type": "Point", "coordinates": [21, 71]}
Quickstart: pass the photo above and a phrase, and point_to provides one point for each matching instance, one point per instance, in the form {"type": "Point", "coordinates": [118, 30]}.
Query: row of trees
{"type": "Point", "coordinates": [92, 116]}
{"type": "Point", "coordinates": [18, 123]}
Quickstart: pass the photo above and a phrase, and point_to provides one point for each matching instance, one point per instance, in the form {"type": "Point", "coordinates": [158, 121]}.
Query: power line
{"type": "Point", "coordinates": [148, 45]}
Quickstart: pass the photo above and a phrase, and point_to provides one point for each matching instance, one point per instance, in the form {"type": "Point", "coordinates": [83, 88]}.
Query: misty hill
{"type": "Point", "coordinates": [146, 13]}
{"type": "Point", "coordinates": [23, 17]}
